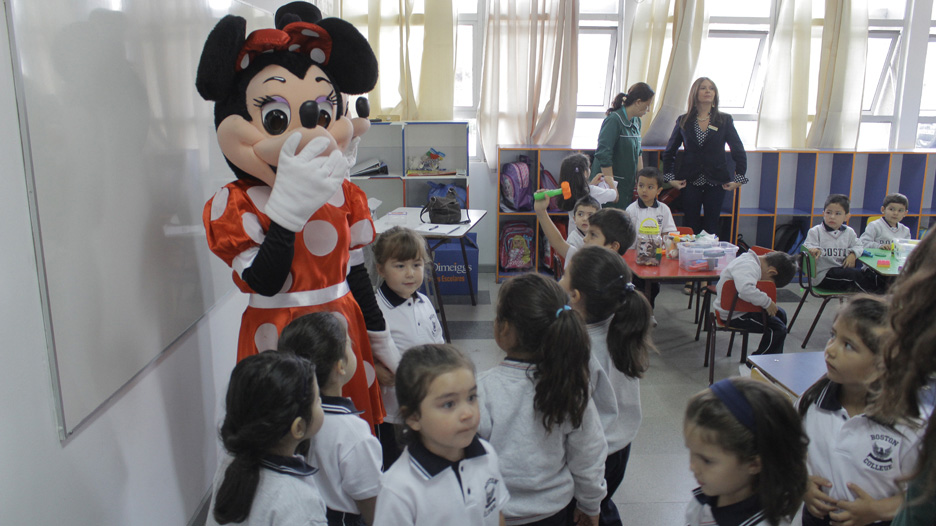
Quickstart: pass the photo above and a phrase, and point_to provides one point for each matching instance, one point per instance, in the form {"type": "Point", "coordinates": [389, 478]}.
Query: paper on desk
{"type": "Point", "coordinates": [436, 229]}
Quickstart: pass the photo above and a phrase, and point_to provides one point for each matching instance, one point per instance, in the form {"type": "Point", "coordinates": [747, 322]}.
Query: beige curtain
{"type": "Point", "coordinates": [645, 52]}
{"type": "Point", "coordinates": [416, 54]}
{"type": "Point", "coordinates": [784, 107]}
{"type": "Point", "coordinates": [689, 32]}
{"type": "Point", "coordinates": [530, 74]}
{"type": "Point", "coordinates": [841, 75]}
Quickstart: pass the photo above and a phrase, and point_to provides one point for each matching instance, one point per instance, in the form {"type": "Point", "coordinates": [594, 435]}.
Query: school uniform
{"type": "Point", "coordinates": [856, 450]}
{"type": "Point", "coordinates": [602, 193]}
{"type": "Point", "coordinates": [701, 511]}
{"type": "Point", "coordinates": [879, 233]}
{"type": "Point", "coordinates": [623, 427]}
{"type": "Point", "coordinates": [541, 485]}
{"type": "Point", "coordinates": [619, 146]}
{"type": "Point", "coordinates": [424, 489]}
{"type": "Point", "coordinates": [704, 168]}
{"type": "Point", "coordinates": [575, 238]}
{"type": "Point", "coordinates": [659, 212]}
{"type": "Point", "coordinates": [745, 270]}
{"type": "Point", "coordinates": [286, 495]}
{"type": "Point", "coordinates": [349, 460]}
{"type": "Point", "coordinates": [835, 245]}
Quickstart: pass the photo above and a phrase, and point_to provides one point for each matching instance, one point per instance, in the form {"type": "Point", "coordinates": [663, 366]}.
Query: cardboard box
{"type": "Point", "coordinates": [450, 266]}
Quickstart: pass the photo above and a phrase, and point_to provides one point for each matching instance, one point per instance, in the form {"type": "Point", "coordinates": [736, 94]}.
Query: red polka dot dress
{"type": "Point", "coordinates": [236, 226]}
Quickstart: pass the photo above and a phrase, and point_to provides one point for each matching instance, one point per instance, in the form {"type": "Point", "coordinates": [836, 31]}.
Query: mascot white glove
{"type": "Point", "coordinates": [384, 349]}
{"type": "Point", "coordinates": [304, 181]}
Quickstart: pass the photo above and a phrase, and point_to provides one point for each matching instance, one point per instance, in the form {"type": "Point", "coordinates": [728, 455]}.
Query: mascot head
{"type": "Point", "coordinates": [274, 82]}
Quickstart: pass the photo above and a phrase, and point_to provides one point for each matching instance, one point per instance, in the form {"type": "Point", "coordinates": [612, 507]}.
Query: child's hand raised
{"type": "Point", "coordinates": [817, 502]}
{"type": "Point", "coordinates": [541, 205]}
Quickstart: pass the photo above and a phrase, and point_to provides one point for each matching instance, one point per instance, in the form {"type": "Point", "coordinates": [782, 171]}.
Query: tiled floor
{"type": "Point", "coordinates": [658, 482]}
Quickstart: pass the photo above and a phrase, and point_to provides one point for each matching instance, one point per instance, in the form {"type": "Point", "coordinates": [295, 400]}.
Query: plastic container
{"type": "Point", "coordinates": [649, 243]}
{"type": "Point", "coordinates": [702, 256]}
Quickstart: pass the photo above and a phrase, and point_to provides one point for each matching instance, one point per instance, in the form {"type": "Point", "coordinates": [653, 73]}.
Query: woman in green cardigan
{"type": "Point", "coordinates": [617, 157]}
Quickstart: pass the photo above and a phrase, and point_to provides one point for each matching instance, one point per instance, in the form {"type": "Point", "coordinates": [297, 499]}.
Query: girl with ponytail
{"type": "Point", "coordinates": [273, 406]}
{"type": "Point", "coordinates": [536, 408]}
{"type": "Point", "coordinates": [618, 317]}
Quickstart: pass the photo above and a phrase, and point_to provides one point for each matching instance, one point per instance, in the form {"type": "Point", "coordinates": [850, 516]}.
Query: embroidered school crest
{"type": "Point", "coordinates": [882, 447]}
{"type": "Point", "coordinates": [490, 502]}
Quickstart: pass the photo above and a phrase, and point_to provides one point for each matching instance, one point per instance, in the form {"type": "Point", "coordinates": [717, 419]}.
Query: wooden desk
{"type": "Point", "coordinates": [896, 262]}
{"type": "Point", "coordinates": [409, 217]}
{"type": "Point", "coordinates": [667, 270]}
{"type": "Point", "coordinates": [793, 372]}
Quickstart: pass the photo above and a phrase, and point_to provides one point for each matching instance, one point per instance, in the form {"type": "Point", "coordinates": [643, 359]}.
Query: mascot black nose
{"type": "Point", "coordinates": [309, 114]}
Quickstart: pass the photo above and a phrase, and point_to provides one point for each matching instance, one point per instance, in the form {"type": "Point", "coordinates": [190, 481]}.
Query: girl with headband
{"type": "Point", "coordinates": [747, 451]}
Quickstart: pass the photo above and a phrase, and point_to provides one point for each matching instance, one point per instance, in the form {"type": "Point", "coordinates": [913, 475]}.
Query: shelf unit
{"type": "Point", "coordinates": [784, 186]}
{"type": "Point", "coordinates": [399, 145]}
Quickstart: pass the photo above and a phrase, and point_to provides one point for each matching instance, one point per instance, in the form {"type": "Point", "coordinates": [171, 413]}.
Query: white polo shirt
{"type": "Point", "coordinates": [748, 512]}
{"type": "Point", "coordinates": [348, 455]}
{"type": "Point", "coordinates": [622, 429]}
{"type": "Point", "coordinates": [857, 449]}
{"type": "Point", "coordinates": [659, 212]}
{"type": "Point", "coordinates": [424, 489]}
{"type": "Point", "coordinates": [411, 321]}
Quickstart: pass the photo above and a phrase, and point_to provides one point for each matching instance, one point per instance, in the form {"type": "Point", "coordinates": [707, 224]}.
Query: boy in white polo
{"type": "Point", "coordinates": [888, 229]}
{"type": "Point", "coordinates": [649, 185]}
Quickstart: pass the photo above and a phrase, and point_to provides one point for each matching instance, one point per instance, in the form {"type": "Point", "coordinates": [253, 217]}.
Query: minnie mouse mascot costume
{"type": "Point", "coordinates": [292, 225]}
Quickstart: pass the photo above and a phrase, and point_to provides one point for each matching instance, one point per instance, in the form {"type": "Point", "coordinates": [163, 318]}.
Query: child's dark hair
{"type": "Point", "coordinates": [777, 438]}
{"type": "Point", "coordinates": [586, 201]}
{"type": "Point", "coordinates": [639, 91]}
{"type": "Point", "coordinates": [838, 199]}
{"type": "Point", "coordinates": [785, 264]}
{"type": "Point", "coordinates": [604, 281]}
{"type": "Point", "coordinates": [319, 337]}
{"type": "Point", "coordinates": [554, 338]}
{"type": "Point", "coordinates": [615, 226]}
{"type": "Point", "coordinates": [899, 199]}
{"type": "Point", "coordinates": [400, 243]}
{"type": "Point", "coordinates": [419, 366]}
{"type": "Point", "coordinates": [867, 316]}
{"type": "Point", "coordinates": [574, 170]}
{"type": "Point", "coordinates": [266, 393]}
{"type": "Point", "coordinates": [651, 172]}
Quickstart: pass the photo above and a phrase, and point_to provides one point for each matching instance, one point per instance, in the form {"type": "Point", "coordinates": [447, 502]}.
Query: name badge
{"type": "Point", "coordinates": [712, 128]}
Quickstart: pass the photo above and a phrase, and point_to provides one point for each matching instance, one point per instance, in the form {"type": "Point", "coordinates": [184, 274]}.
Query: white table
{"type": "Point", "coordinates": [408, 217]}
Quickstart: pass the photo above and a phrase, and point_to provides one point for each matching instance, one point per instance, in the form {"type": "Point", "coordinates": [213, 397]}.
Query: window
{"type": "Point", "coordinates": [469, 45]}
{"type": "Point", "coordinates": [926, 124]}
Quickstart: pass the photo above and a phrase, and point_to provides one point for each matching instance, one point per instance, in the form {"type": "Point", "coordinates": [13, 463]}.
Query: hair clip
{"type": "Point", "coordinates": [560, 309]}
{"type": "Point", "coordinates": [630, 287]}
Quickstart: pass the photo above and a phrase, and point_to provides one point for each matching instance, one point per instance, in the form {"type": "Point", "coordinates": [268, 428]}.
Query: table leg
{"type": "Point", "coordinates": [438, 295]}
{"type": "Point", "coordinates": [648, 288]}
{"type": "Point", "coordinates": [467, 271]}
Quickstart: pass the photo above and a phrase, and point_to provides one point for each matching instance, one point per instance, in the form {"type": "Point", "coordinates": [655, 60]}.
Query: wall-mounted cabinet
{"type": "Point", "coordinates": [784, 186]}
{"type": "Point", "coordinates": [400, 146]}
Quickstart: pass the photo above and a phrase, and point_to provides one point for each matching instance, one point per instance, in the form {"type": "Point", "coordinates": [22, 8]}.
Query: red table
{"type": "Point", "coordinates": [667, 270]}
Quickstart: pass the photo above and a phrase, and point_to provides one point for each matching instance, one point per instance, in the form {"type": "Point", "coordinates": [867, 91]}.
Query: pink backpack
{"type": "Point", "coordinates": [516, 194]}
{"type": "Point", "coordinates": [516, 240]}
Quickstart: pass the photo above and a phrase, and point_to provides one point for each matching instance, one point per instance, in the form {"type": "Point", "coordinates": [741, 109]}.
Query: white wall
{"type": "Point", "coordinates": [482, 193]}
{"type": "Point", "coordinates": [146, 458]}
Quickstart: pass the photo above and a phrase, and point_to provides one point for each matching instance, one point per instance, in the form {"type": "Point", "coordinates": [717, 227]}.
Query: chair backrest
{"type": "Point", "coordinates": [732, 303]}
{"type": "Point", "coordinates": [808, 264]}
{"type": "Point", "coordinates": [760, 251]}
{"type": "Point", "coordinates": [871, 219]}
{"type": "Point", "coordinates": [685, 230]}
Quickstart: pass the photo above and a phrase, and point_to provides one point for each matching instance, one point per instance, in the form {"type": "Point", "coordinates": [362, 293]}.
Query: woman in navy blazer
{"type": "Point", "coordinates": [703, 173]}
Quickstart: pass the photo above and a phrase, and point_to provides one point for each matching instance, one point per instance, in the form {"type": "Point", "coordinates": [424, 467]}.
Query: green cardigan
{"type": "Point", "coordinates": [619, 148]}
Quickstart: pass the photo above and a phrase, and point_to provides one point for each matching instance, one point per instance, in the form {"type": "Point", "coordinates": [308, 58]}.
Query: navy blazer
{"type": "Point", "coordinates": [707, 159]}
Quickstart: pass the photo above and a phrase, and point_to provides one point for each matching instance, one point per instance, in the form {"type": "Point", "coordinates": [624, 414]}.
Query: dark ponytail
{"type": "Point", "coordinates": [266, 393]}
{"type": "Point", "coordinates": [554, 337]}
{"type": "Point", "coordinates": [639, 91]}
{"type": "Point", "coordinates": [604, 281]}
{"type": "Point", "coordinates": [574, 170]}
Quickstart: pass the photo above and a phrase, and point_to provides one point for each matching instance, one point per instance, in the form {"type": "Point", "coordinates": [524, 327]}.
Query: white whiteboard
{"type": "Point", "coordinates": [121, 156]}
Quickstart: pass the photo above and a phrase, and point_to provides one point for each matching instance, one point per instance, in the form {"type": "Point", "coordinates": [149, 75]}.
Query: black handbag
{"type": "Point", "coordinates": [443, 210]}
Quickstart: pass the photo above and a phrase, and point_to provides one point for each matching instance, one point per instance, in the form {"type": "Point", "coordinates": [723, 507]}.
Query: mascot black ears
{"type": "Point", "coordinates": [313, 60]}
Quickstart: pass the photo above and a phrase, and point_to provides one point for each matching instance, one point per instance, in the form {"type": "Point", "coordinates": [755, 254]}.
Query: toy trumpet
{"type": "Point", "coordinates": [564, 189]}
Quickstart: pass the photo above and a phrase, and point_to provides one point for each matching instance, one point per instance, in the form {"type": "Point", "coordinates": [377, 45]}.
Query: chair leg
{"type": "Point", "coordinates": [730, 343]}
{"type": "Point", "coordinates": [789, 327]}
{"type": "Point", "coordinates": [815, 321]}
{"type": "Point", "coordinates": [706, 308]}
{"type": "Point", "coordinates": [692, 292]}
{"type": "Point", "coordinates": [709, 339]}
{"type": "Point", "coordinates": [710, 355]}
{"type": "Point", "coordinates": [744, 338]}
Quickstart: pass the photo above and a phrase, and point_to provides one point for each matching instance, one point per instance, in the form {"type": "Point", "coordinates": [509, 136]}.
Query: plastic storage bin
{"type": "Point", "coordinates": [706, 256]}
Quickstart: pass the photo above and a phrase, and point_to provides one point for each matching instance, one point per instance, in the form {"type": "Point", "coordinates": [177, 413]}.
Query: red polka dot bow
{"type": "Point", "coordinates": [300, 37]}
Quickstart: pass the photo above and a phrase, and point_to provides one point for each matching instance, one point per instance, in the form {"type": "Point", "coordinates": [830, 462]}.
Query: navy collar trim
{"type": "Point", "coordinates": [429, 464]}
{"type": "Point", "coordinates": [748, 512]}
{"type": "Point", "coordinates": [395, 299]}
{"type": "Point", "coordinates": [641, 204]}
{"type": "Point", "coordinates": [829, 397]}
{"type": "Point", "coordinates": [518, 360]}
{"type": "Point", "coordinates": [296, 466]}
{"type": "Point", "coordinates": [830, 229]}
{"type": "Point", "coordinates": [339, 405]}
